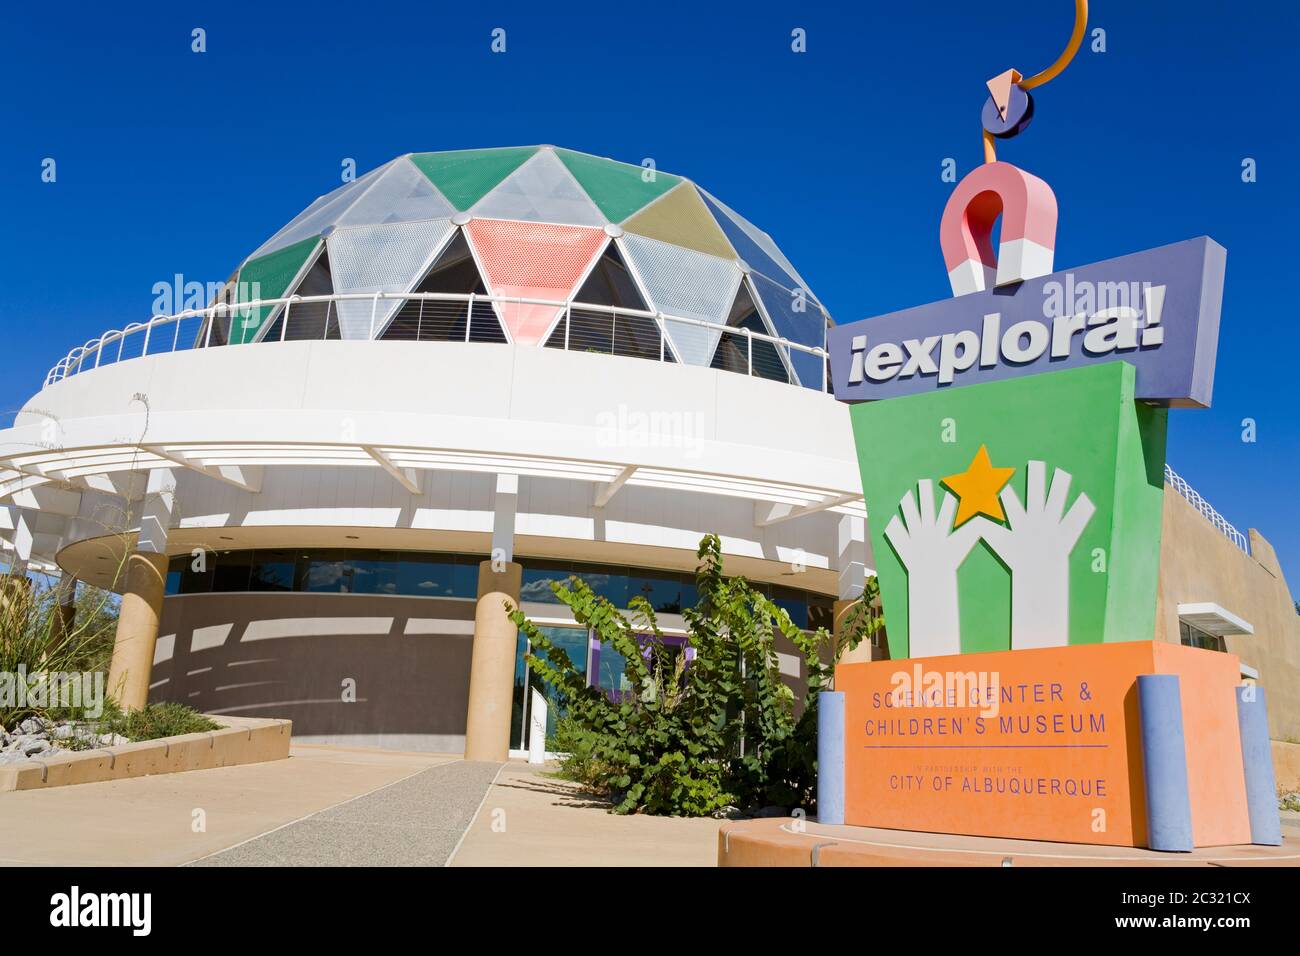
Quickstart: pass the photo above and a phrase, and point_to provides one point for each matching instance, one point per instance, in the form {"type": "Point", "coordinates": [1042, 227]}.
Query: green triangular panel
{"type": "Point", "coordinates": [465, 175]}
{"type": "Point", "coordinates": [617, 188]}
{"type": "Point", "coordinates": [266, 277]}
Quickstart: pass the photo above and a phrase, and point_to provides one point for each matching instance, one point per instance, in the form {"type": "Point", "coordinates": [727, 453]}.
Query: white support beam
{"type": "Point", "coordinates": [767, 514]}
{"type": "Point", "coordinates": [23, 537]}
{"type": "Point", "coordinates": [605, 492]}
{"type": "Point", "coordinates": [124, 484]}
{"type": "Point", "coordinates": [408, 478]}
{"type": "Point", "coordinates": [851, 556]}
{"type": "Point", "coordinates": [244, 477]}
{"type": "Point", "coordinates": [156, 513]}
{"type": "Point", "coordinates": [57, 501]}
{"type": "Point", "coordinates": [503, 518]}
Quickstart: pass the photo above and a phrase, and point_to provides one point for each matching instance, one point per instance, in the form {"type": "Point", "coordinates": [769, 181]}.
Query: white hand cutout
{"type": "Point", "coordinates": [932, 555]}
{"type": "Point", "coordinates": [1037, 550]}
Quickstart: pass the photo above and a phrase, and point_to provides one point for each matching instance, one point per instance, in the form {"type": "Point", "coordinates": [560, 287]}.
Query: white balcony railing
{"type": "Point", "coordinates": [434, 316]}
{"type": "Point", "coordinates": [1200, 504]}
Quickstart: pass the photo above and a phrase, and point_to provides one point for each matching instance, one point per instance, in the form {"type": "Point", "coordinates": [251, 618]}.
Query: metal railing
{"type": "Point", "coordinates": [1206, 509]}
{"type": "Point", "coordinates": [438, 316]}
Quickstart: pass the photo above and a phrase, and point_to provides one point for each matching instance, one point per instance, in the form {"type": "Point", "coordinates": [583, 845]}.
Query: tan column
{"type": "Point", "coordinates": [64, 621]}
{"type": "Point", "coordinates": [492, 668]}
{"type": "Point", "coordinates": [863, 650]}
{"type": "Point", "coordinates": [15, 598]}
{"type": "Point", "coordinates": [137, 629]}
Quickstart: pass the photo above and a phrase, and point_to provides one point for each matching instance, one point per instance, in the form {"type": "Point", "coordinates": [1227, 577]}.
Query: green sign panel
{"type": "Point", "coordinates": [1015, 514]}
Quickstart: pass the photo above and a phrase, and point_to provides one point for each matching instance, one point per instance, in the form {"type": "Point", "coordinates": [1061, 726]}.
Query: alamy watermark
{"type": "Point", "coordinates": [941, 688]}
{"type": "Point", "coordinates": [83, 691]}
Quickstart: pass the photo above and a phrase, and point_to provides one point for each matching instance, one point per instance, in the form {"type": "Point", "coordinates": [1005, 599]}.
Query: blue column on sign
{"type": "Point", "coordinates": [1257, 760]}
{"type": "Point", "coordinates": [830, 757]}
{"type": "Point", "coordinates": [1164, 763]}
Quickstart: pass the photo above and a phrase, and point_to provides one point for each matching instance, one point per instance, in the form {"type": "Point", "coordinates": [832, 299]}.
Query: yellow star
{"type": "Point", "coordinates": [977, 488]}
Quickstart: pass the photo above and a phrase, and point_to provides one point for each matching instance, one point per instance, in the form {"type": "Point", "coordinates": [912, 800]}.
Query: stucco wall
{"type": "Point", "coordinates": [1198, 563]}
{"type": "Point", "coordinates": [287, 655]}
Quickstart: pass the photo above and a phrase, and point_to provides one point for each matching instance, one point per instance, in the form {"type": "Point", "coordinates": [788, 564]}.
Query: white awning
{"type": "Point", "coordinates": [1212, 619]}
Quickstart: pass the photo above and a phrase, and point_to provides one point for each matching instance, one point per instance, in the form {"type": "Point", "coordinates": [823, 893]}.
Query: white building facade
{"type": "Point", "coordinates": [327, 485]}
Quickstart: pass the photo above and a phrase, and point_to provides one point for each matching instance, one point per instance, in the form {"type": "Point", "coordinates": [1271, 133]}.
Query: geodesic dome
{"type": "Point", "coordinates": [535, 222]}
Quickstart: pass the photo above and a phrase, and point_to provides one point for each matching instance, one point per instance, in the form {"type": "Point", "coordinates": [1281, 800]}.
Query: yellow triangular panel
{"type": "Point", "coordinates": [681, 218]}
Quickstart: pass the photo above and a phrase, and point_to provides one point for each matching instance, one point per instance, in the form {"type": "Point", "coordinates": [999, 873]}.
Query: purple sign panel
{"type": "Point", "coordinates": [1158, 310]}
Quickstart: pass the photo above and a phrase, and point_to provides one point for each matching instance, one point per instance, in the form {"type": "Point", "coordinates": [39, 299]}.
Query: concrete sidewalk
{"type": "Point", "coordinates": [336, 806]}
{"type": "Point", "coordinates": [417, 821]}
{"type": "Point", "coordinates": [529, 819]}
{"type": "Point", "coordinates": [176, 818]}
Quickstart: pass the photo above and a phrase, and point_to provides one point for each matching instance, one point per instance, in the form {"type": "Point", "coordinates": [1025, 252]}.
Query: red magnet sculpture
{"type": "Point", "coordinates": [1026, 203]}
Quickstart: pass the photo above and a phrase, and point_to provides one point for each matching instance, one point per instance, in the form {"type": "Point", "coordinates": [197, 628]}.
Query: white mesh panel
{"type": "Point", "coordinates": [324, 212]}
{"type": "Point", "coordinates": [541, 190]}
{"type": "Point", "coordinates": [388, 258]}
{"type": "Point", "coordinates": [401, 194]}
{"type": "Point", "coordinates": [684, 282]}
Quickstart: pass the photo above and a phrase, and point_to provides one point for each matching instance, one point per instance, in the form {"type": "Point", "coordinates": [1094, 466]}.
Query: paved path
{"type": "Point", "coordinates": [340, 806]}
{"type": "Point", "coordinates": [530, 819]}
{"type": "Point", "coordinates": [175, 818]}
{"type": "Point", "coordinates": [417, 821]}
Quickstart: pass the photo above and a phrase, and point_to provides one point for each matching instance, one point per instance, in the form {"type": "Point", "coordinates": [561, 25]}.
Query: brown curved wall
{"type": "Point", "coordinates": [288, 654]}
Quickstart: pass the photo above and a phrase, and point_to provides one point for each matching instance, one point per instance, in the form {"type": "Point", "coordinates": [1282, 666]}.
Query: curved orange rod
{"type": "Point", "coordinates": [1071, 48]}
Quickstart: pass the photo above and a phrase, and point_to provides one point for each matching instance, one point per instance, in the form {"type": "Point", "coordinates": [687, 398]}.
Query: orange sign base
{"type": "Point", "coordinates": [1039, 744]}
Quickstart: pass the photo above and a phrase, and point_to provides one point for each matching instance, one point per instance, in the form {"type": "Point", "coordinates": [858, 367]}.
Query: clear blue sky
{"type": "Point", "coordinates": [170, 161]}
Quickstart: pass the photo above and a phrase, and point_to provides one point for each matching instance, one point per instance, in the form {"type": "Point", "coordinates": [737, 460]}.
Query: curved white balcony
{"type": "Point", "coordinates": [429, 316]}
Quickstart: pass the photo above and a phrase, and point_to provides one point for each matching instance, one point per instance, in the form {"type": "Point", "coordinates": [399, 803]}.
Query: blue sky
{"type": "Point", "coordinates": [175, 162]}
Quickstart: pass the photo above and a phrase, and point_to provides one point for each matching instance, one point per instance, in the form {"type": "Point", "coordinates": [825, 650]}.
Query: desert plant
{"type": "Point", "coordinates": [693, 738]}
{"type": "Point", "coordinates": [34, 638]}
{"type": "Point", "coordinates": [162, 719]}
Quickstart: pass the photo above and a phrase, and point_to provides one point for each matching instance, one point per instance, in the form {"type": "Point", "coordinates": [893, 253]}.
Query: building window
{"type": "Point", "coordinates": [574, 642]}
{"type": "Point", "coordinates": [1195, 637]}
{"type": "Point", "coordinates": [439, 575]}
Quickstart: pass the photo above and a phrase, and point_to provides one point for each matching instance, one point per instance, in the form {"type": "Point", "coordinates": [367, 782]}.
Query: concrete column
{"type": "Point", "coordinates": [65, 616]}
{"type": "Point", "coordinates": [1164, 763]}
{"type": "Point", "coordinates": [137, 629]}
{"type": "Point", "coordinates": [492, 667]}
{"type": "Point", "coordinates": [851, 562]}
{"type": "Point", "coordinates": [830, 757]}
{"type": "Point", "coordinates": [142, 597]}
{"type": "Point", "coordinates": [1257, 761]}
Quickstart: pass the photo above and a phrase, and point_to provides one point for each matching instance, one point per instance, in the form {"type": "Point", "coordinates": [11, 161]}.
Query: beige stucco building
{"type": "Point", "coordinates": [1212, 584]}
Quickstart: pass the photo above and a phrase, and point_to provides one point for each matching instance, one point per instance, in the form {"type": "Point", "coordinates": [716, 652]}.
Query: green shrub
{"type": "Point", "coordinates": [163, 719]}
{"type": "Point", "coordinates": [693, 740]}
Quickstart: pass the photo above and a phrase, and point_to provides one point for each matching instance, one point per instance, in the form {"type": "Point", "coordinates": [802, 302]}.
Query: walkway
{"type": "Point", "coordinates": [336, 806]}
{"type": "Point", "coordinates": [529, 819]}
{"type": "Point", "coordinates": [417, 821]}
{"type": "Point", "coordinates": [177, 818]}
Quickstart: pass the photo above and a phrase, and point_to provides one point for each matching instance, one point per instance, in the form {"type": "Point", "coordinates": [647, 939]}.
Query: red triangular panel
{"type": "Point", "coordinates": [532, 260]}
